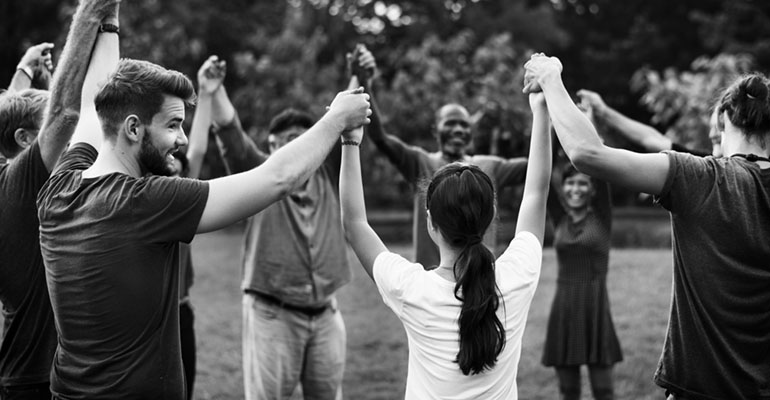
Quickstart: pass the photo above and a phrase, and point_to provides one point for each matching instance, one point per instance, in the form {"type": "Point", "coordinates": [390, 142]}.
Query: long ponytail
{"type": "Point", "coordinates": [461, 200]}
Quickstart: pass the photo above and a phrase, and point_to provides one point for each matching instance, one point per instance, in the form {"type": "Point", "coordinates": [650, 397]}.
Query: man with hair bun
{"type": "Point", "coordinates": [716, 346]}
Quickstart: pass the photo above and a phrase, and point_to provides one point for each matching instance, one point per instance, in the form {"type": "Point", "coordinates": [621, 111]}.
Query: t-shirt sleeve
{"type": "Point", "coordinates": [392, 274]}
{"type": "Point", "coordinates": [688, 181]}
{"type": "Point", "coordinates": [682, 149]}
{"type": "Point", "coordinates": [78, 157]}
{"type": "Point", "coordinates": [510, 172]}
{"type": "Point", "coordinates": [521, 261]}
{"type": "Point", "coordinates": [168, 209]}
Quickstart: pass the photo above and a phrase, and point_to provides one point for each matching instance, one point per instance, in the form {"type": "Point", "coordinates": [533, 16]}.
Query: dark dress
{"type": "Point", "coordinates": [580, 329]}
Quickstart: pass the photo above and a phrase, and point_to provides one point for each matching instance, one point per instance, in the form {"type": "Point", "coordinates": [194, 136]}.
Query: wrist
{"type": "Point", "coordinates": [350, 142]}
{"type": "Point", "coordinates": [332, 121]}
{"type": "Point", "coordinates": [106, 27]}
{"type": "Point", "coordinates": [27, 70]}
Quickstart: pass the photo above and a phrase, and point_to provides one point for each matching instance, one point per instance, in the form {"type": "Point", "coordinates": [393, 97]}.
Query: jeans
{"type": "Point", "coordinates": [40, 391]}
{"type": "Point", "coordinates": [285, 348]}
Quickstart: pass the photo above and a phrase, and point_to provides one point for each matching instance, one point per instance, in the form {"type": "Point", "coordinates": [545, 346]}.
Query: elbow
{"type": "Point", "coordinates": [585, 158]}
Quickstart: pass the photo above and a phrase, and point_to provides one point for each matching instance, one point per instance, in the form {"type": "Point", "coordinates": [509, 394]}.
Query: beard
{"type": "Point", "coordinates": [151, 161]}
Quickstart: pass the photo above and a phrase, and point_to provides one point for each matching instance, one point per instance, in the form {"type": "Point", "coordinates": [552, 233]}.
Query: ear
{"type": "Point", "coordinates": [23, 137]}
{"type": "Point", "coordinates": [133, 128]}
{"type": "Point", "coordinates": [430, 221]}
{"type": "Point", "coordinates": [272, 140]}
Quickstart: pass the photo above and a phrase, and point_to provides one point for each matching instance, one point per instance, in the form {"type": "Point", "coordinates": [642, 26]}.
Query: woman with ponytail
{"type": "Point", "coordinates": [718, 340]}
{"type": "Point", "coordinates": [465, 319]}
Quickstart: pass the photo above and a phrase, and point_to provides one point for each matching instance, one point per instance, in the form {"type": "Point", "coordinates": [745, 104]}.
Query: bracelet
{"type": "Point", "coordinates": [26, 70]}
{"type": "Point", "coordinates": [112, 28]}
{"type": "Point", "coordinates": [350, 142]}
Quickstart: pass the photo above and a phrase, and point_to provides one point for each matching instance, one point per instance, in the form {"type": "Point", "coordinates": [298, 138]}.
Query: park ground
{"type": "Point", "coordinates": [639, 285]}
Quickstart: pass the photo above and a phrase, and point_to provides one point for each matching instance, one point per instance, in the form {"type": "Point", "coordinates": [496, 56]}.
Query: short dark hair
{"type": "Point", "coordinates": [288, 118]}
{"type": "Point", "coordinates": [22, 109]}
{"type": "Point", "coordinates": [138, 87]}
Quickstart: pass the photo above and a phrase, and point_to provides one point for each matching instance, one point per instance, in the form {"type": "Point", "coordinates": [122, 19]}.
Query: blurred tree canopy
{"type": "Point", "coordinates": [281, 53]}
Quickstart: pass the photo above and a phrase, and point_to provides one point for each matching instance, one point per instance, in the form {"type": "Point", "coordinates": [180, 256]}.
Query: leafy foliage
{"type": "Point", "coordinates": [683, 101]}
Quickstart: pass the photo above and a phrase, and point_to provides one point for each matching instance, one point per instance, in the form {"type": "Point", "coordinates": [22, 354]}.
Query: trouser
{"type": "Point", "coordinates": [187, 337]}
{"type": "Point", "coordinates": [39, 391]}
{"type": "Point", "coordinates": [600, 377]}
{"type": "Point", "coordinates": [284, 348]}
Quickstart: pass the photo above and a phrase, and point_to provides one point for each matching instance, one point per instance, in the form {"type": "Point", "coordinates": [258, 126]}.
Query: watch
{"type": "Point", "coordinates": [109, 28]}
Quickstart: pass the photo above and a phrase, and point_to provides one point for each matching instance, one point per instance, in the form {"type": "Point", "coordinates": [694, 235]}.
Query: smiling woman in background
{"type": "Point", "coordinates": [580, 329]}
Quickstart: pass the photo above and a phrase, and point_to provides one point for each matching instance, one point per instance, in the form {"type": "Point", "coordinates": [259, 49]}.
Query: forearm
{"type": "Point", "coordinates": [576, 133]}
{"type": "Point", "coordinates": [362, 238]}
{"type": "Point", "coordinates": [104, 61]}
{"type": "Point", "coordinates": [199, 135]}
{"type": "Point", "coordinates": [640, 134]}
{"type": "Point", "coordinates": [351, 186]}
{"type": "Point", "coordinates": [238, 196]}
{"type": "Point", "coordinates": [538, 178]}
{"type": "Point", "coordinates": [20, 81]}
{"type": "Point", "coordinates": [237, 149]}
{"type": "Point", "coordinates": [64, 105]}
{"type": "Point", "coordinates": [223, 110]}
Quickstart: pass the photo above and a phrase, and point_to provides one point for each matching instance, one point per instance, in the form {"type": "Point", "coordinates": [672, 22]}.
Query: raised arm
{"type": "Point", "coordinates": [239, 152]}
{"type": "Point", "coordinates": [638, 172]}
{"type": "Point", "coordinates": [35, 62]}
{"type": "Point", "coordinates": [533, 202]}
{"type": "Point", "coordinates": [638, 133]}
{"type": "Point", "coordinates": [362, 238]}
{"type": "Point", "coordinates": [241, 195]}
{"type": "Point", "coordinates": [210, 77]}
{"type": "Point", "coordinates": [363, 66]}
{"type": "Point", "coordinates": [68, 87]}
{"type": "Point", "coordinates": [104, 60]}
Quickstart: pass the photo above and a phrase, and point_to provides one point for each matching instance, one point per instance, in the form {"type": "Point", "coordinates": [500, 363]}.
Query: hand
{"type": "Point", "coordinates": [591, 103]}
{"type": "Point", "coordinates": [538, 69]}
{"type": "Point", "coordinates": [350, 109]}
{"type": "Point", "coordinates": [37, 58]}
{"type": "Point", "coordinates": [537, 102]}
{"type": "Point", "coordinates": [361, 64]}
{"type": "Point", "coordinates": [211, 75]}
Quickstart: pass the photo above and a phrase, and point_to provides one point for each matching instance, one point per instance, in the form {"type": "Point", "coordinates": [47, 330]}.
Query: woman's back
{"type": "Point", "coordinates": [425, 303]}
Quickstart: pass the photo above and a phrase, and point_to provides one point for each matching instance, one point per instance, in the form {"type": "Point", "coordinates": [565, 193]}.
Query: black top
{"type": "Point", "coordinates": [29, 335]}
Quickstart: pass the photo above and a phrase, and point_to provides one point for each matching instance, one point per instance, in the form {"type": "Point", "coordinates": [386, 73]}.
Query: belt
{"type": "Point", "coordinates": [307, 310]}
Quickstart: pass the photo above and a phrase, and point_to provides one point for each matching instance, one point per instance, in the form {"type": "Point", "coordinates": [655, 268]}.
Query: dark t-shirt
{"type": "Point", "coordinates": [111, 252]}
{"type": "Point", "coordinates": [29, 334]}
{"type": "Point", "coordinates": [718, 340]}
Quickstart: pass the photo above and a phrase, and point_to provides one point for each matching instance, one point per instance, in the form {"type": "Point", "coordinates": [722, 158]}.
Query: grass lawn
{"type": "Point", "coordinates": [640, 291]}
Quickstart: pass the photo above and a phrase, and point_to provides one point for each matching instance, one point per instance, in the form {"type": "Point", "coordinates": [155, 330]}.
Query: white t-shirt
{"type": "Point", "coordinates": [425, 304]}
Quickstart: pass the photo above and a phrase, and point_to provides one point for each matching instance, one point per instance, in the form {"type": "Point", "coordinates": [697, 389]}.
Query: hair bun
{"type": "Point", "coordinates": [755, 88]}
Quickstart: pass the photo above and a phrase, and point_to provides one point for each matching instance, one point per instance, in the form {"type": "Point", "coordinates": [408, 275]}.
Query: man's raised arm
{"type": "Point", "coordinates": [363, 66]}
{"type": "Point", "coordinates": [235, 197]}
{"type": "Point", "coordinates": [64, 105]}
{"type": "Point", "coordinates": [35, 62]}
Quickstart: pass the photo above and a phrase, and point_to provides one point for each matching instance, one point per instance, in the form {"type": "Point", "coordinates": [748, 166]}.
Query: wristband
{"type": "Point", "coordinates": [350, 142]}
{"type": "Point", "coordinates": [27, 70]}
{"type": "Point", "coordinates": [112, 28]}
